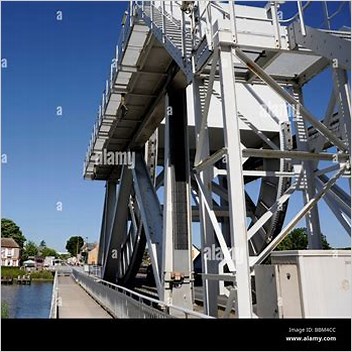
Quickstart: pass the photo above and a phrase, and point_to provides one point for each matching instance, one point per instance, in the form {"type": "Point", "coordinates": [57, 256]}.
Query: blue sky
{"type": "Point", "coordinates": [65, 63]}
{"type": "Point", "coordinates": [53, 63]}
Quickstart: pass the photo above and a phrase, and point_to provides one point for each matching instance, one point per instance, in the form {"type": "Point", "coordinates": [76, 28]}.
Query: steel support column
{"type": "Point", "coordinates": [118, 230]}
{"type": "Point", "coordinates": [308, 181]}
{"type": "Point", "coordinates": [237, 203]}
{"type": "Point", "coordinates": [177, 270]}
{"type": "Point", "coordinates": [209, 265]}
{"type": "Point", "coordinates": [102, 237]}
{"type": "Point", "coordinates": [108, 215]}
{"type": "Point", "coordinates": [342, 91]}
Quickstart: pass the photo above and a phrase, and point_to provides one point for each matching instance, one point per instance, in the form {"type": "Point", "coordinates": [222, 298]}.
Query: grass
{"type": "Point", "coordinates": [4, 310]}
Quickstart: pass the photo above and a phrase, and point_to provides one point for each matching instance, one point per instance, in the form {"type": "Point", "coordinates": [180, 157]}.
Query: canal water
{"type": "Point", "coordinates": [28, 301]}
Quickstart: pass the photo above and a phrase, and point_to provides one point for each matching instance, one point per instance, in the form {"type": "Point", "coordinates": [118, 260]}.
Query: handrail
{"type": "Point", "coordinates": [53, 305]}
{"type": "Point", "coordinates": [140, 297]}
{"type": "Point", "coordinates": [287, 20]}
{"type": "Point", "coordinates": [337, 11]}
{"type": "Point", "coordinates": [120, 48]}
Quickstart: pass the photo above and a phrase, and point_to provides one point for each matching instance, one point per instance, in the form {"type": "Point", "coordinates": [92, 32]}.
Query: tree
{"type": "Point", "coordinates": [84, 257]}
{"type": "Point", "coordinates": [49, 252]}
{"type": "Point", "coordinates": [42, 244]}
{"type": "Point", "coordinates": [30, 250]}
{"type": "Point", "coordinates": [64, 256]}
{"type": "Point", "coordinates": [298, 239]}
{"type": "Point", "coordinates": [10, 229]}
{"type": "Point", "coordinates": [74, 244]}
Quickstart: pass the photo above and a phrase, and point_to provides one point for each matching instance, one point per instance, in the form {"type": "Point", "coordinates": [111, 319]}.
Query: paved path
{"type": "Point", "coordinates": [75, 302]}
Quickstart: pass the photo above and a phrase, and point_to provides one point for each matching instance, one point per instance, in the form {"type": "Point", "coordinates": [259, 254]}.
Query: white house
{"type": "Point", "coordinates": [10, 252]}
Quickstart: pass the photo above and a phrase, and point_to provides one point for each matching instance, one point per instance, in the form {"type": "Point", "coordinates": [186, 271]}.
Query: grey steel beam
{"type": "Point", "coordinates": [151, 215]}
{"type": "Point", "coordinates": [110, 208]}
{"type": "Point", "coordinates": [341, 198]}
{"type": "Point", "coordinates": [118, 229]}
{"type": "Point", "coordinates": [210, 160]}
{"type": "Point", "coordinates": [209, 266]}
{"type": "Point", "coordinates": [294, 155]}
{"type": "Point", "coordinates": [203, 120]}
{"type": "Point", "coordinates": [149, 123]}
{"type": "Point", "coordinates": [265, 58]}
{"type": "Point", "coordinates": [321, 43]}
{"type": "Point", "coordinates": [287, 97]}
{"type": "Point", "coordinates": [102, 237]}
{"type": "Point", "coordinates": [320, 142]}
{"type": "Point", "coordinates": [108, 216]}
{"type": "Point", "coordinates": [335, 207]}
{"type": "Point", "coordinates": [343, 92]}
{"type": "Point", "coordinates": [291, 224]}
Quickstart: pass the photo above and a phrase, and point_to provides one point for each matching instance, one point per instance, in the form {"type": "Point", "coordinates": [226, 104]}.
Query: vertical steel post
{"type": "Point", "coordinates": [342, 91]}
{"type": "Point", "coordinates": [163, 21]}
{"type": "Point", "coordinates": [276, 24]}
{"type": "Point", "coordinates": [177, 270]}
{"type": "Point", "coordinates": [209, 265]}
{"type": "Point", "coordinates": [131, 13]}
{"type": "Point", "coordinates": [326, 15]}
{"type": "Point", "coordinates": [312, 217]}
{"type": "Point", "coordinates": [183, 34]}
{"type": "Point", "coordinates": [301, 18]}
{"type": "Point", "coordinates": [108, 216]}
{"type": "Point", "coordinates": [118, 230]}
{"type": "Point", "coordinates": [167, 260]}
{"type": "Point", "coordinates": [237, 205]}
{"type": "Point", "coordinates": [233, 20]}
{"type": "Point", "coordinates": [102, 238]}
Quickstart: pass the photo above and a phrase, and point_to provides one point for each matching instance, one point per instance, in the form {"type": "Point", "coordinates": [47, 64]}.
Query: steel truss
{"type": "Point", "coordinates": [221, 66]}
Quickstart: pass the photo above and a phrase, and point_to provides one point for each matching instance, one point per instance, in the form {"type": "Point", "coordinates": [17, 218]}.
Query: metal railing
{"type": "Point", "coordinates": [122, 302]}
{"type": "Point", "coordinates": [127, 24]}
{"type": "Point", "coordinates": [125, 32]}
{"type": "Point", "coordinates": [162, 20]}
{"type": "Point", "coordinates": [54, 296]}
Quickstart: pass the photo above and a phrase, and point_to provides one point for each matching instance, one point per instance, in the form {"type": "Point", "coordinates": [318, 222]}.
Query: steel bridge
{"type": "Point", "coordinates": [205, 99]}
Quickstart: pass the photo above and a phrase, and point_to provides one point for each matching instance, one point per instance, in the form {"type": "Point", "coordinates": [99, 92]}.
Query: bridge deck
{"type": "Point", "coordinates": [76, 303]}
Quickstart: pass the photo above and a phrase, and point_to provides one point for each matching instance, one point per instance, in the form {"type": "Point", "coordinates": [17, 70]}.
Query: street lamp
{"type": "Point", "coordinates": [87, 253]}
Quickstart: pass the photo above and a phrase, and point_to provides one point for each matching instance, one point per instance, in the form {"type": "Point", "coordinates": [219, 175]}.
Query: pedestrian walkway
{"type": "Point", "coordinates": [74, 302]}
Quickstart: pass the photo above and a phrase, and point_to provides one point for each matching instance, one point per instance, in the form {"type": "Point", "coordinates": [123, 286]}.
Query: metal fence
{"type": "Point", "coordinates": [54, 296]}
{"type": "Point", "coordinates": [124, 303]}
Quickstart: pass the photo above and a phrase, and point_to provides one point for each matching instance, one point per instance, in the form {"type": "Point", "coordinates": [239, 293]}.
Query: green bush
{"type": "Point", "coordinates": [42, 275]}
{"type": "Point", "coordinates": [4, 310]}
{"type": "Point", "coordinates": [11, 272]}
{"type": "Point", "coordinates": [35, 275]}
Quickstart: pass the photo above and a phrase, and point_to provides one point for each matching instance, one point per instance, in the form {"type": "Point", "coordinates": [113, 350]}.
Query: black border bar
{"type": "Point", "coordinates": [176, 334]}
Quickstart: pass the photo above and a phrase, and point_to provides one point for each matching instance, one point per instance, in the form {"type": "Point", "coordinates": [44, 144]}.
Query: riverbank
{"type": "Point", "coordinates": [14, 273]}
